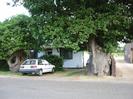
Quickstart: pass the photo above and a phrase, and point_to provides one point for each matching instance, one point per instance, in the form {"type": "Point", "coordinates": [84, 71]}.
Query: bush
{"type": "Point", "coordinates": [55, 60]}
{"type": "Point", "coordinates": [3, 65]}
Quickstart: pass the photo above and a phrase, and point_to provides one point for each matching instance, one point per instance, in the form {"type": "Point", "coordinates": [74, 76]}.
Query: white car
{"type": "Point", "coordinates": [36, 66]}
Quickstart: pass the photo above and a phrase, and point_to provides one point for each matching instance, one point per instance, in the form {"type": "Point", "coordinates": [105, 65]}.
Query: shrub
{"type": "Point", "coordinates": [55, 60]}
{"type": "Point", "coordinates": [3, 65]}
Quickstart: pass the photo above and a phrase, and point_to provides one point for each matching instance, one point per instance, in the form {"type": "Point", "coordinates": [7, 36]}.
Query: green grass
{"type": "Point", "coordinates": [9, 73]}
{"type": "Point", "coordinates": [72, 72]}
{"type": "Point", "coordinates": [4, 71]}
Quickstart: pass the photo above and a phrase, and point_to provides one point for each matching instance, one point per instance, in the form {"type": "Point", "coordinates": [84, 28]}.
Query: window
{"type": "Point", "coordinates": [30, 62]}
{"type": "Point", "coordinates": [48, 51]}
{"type": "Point", "coordinates": [40, 62]}
{"type": "Point", "coordinates": [66, 53]}
{"type": "Point", "coordinates": [45, 62]}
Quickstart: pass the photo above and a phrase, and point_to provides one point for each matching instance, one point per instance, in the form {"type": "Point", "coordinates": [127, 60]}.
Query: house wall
{"type": "Point", "coordinates": [75, 62]}
{"type": "Point", "coordinates": [40, 54]}
{"type": "Point", "coordinates": [79, 59]}
{"type": "Point", "coordinates": [55, 52]}
{"type": "Point", "coordinates": [128, 53]}
{"type": "Point", "coordinates": [86, 57]}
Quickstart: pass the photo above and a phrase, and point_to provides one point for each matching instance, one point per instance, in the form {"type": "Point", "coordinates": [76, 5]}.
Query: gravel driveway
{"type": "Point", "coordinates": [124, 70]}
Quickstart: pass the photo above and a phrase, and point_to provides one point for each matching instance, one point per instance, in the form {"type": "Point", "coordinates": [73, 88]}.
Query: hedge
{"type": "Point", "coordinates": [3, 65]}
{"type": "Point", "coordinates": [55, 60]}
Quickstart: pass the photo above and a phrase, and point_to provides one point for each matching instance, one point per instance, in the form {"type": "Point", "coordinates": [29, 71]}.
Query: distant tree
{"type": "Point", "coordinates": [12, 40]}
{"type": "Point", "coordinates": [18, 34]}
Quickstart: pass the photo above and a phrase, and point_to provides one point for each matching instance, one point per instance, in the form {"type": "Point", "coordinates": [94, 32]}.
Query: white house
{"type": "Point", "coordinates": [72, 59]}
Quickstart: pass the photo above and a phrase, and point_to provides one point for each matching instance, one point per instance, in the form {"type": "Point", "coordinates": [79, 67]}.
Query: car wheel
{"type": "Point", "coordinates": [40, 73]}
{"type": "Point", "coordinates": [53, 70]}
{"type": "Point", "coordinates": [24, 73]}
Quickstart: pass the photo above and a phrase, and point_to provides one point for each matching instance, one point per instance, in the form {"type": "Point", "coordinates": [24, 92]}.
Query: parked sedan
{"type": "Point", "coordinates": [36, 66]}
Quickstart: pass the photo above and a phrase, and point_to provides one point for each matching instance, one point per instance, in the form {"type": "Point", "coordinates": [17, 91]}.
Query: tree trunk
{"type": "Point", "coordinates": [113, 66]}
{"type": "Point", "coordinates": [15, 60]}
{"type": "Point", "coordinates": [99, 62]}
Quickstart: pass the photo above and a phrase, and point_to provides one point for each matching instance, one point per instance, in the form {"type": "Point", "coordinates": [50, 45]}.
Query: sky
{"type": "Point", "coordinates": [7, 11]}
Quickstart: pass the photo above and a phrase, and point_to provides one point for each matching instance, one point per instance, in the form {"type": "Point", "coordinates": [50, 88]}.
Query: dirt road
{"type": "Point", "coordinates": [124, 70]}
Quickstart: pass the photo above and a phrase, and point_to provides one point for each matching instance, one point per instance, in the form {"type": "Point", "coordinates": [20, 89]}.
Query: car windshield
{"type": "Point", "coordinates": [30, 62]}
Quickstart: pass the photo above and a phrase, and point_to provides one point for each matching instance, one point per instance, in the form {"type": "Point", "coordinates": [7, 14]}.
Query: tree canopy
{"type": "Point", "coordinates": [72, 23]}
{"type": "Point", "coordinates": [69, 23]}
{"type": "Point", "coordinates": [19, 32]}
{"type": "Point", "coordinates": [13, 32]}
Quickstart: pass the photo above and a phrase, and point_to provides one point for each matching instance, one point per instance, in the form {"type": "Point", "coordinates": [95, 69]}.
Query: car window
{"type": "Point", "coordinates": [40, 62]}
{"type": "Point", "coordinates": [30, 62]}
{"type": "Point", "coordinates": [45, 62]}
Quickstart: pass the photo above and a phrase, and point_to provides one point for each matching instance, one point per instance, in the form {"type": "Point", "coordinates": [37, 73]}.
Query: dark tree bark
{"type": "Point", "coordinates": [15, 60]}
{"type": "Point", "coordinates": [113, 67]}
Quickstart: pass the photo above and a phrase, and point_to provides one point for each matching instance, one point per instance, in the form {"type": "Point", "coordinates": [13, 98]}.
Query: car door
{"type": "Point", "coordinates": [41, 65]}
{"type": "Point", "coordinates": [47, 66]}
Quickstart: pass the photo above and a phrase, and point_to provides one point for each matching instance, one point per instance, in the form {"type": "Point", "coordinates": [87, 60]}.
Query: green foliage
{"type": "Point", "coordinates": [55, 60]}
{"type": "Point", "coordinates": [3, 65]}
{"type": "Point", "coordinates": [72, 23]}
{"type": "Point", "coordinates": [20, 32]}
{"type": "Point", "coordinates": [14, 35]}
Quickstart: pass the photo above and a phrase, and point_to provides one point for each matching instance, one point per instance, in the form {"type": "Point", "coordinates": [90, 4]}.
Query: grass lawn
{"type": "Point", "coordinates": [70, 72]}
{"type": "Point", "coordinates": [64, 73]}
{"type": "Point", "coordinates": [9, 73]}
{"type": "Point", "coordinates": [4, 69]}
{"type": "Point", "coordinates": [74, 72]}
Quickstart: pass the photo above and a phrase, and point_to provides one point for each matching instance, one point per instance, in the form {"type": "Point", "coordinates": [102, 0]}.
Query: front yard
{"type": "Point", "coordinates": [64, 73]}
{"type": "Point", "coordinates": [124, 72]}
{"type": "Point", "coordinates": [8, 73]}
